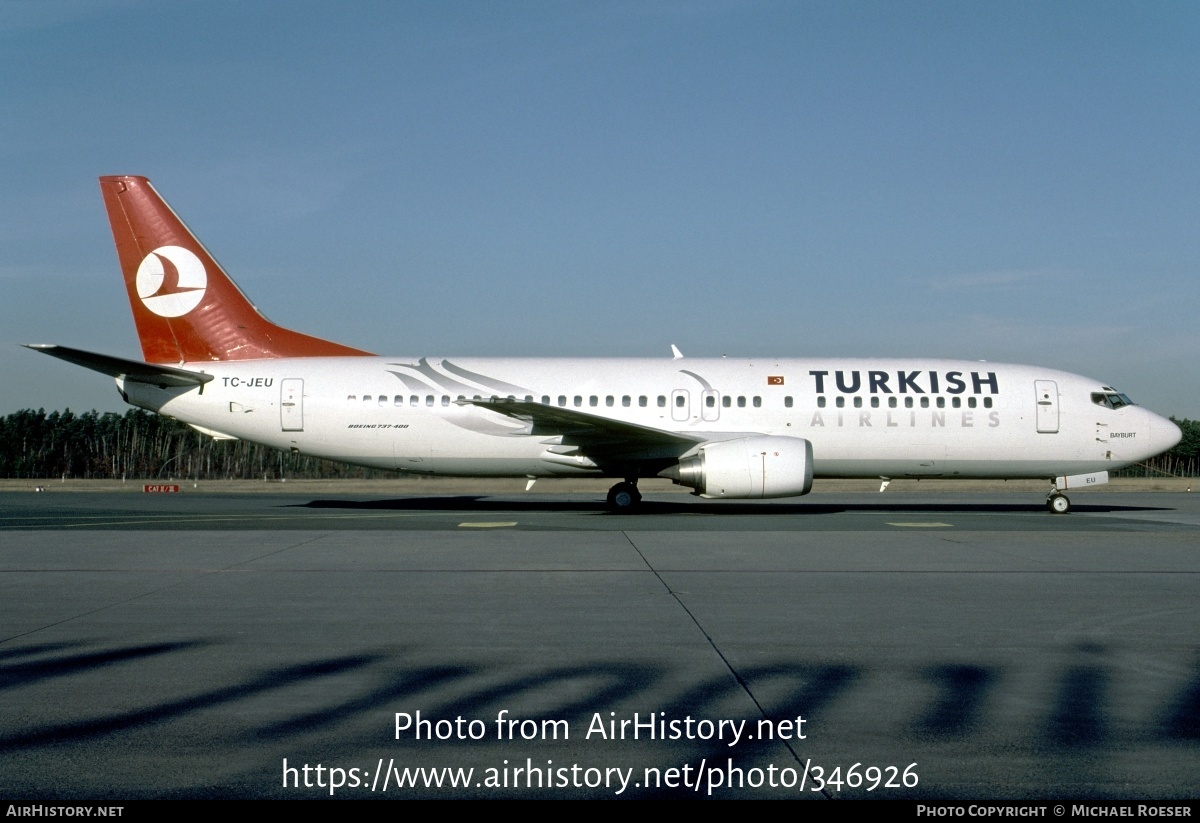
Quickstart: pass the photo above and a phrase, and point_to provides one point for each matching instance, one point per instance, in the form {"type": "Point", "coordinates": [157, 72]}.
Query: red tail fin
{"type": "Point", "coordinates": [186, 308]}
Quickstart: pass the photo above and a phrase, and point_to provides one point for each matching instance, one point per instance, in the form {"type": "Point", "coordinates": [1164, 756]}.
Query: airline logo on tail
{"type": "Point", "coordinates": [171, 281]}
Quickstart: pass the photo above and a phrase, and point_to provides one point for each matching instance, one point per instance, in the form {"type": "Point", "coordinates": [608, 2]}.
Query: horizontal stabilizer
{"type": "Point", "coordinates": [130, 370]}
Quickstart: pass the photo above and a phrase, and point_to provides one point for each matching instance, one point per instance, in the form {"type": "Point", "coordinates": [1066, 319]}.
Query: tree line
{"type": "Point", "coordinates": [143, 445]}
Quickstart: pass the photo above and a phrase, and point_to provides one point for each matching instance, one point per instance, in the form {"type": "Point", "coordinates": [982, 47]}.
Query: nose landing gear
{"type": "Point", "coordinates": [1057, 502]}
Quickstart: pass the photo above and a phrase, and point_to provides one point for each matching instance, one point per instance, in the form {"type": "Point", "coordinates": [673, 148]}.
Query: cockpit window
{"type": "Point", "coordinates": [1111, 399]}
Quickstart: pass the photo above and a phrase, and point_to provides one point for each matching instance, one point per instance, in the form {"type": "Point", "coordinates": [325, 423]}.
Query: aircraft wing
{"type": "Point", "coordinates": [119, 367]}
{"type": "Point", "coordinates": [592, 431]}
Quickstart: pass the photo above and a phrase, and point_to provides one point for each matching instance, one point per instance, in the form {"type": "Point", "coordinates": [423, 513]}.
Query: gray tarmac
{"type": "Point", "coordinates": [958, 645]}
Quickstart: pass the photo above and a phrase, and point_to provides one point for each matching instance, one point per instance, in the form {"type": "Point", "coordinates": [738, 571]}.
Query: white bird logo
{"type": "Point", "coordinates": [171, 281]}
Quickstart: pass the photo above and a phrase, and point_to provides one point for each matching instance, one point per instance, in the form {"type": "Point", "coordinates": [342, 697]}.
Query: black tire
{"type": "Point", "coordinates": [624, 498]}
{"type": "Point", "coordinates": [1058, 504]}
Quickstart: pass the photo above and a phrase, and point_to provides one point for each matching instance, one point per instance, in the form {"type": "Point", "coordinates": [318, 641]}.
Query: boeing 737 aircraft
{"type": "Point", "coordinates": [727, 428]}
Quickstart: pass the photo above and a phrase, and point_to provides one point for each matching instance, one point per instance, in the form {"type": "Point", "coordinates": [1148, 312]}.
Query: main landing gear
{"type": "Point", "coordinates": [624, 498]}
{"type": "Point", "coordinates": [1057, 502]}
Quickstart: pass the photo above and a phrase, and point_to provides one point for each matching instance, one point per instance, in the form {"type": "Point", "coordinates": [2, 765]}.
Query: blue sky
{"type": "Point", "coordinates": [1009, 181]}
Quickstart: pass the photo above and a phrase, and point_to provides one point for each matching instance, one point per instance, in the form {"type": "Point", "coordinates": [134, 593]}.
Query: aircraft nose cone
{"type": "Point", "coordinates": [1164, 434]}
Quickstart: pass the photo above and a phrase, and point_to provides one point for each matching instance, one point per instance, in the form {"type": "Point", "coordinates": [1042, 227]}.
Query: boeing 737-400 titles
{"type": "Point", "coordinates": [727, 428]}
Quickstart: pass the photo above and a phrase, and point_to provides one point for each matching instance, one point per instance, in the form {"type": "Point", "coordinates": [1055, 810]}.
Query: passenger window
{"type": "Point", "coordinates": [726, 401]}
{"type": "Point", "coordinates": [662, 401]}
{"type": "Point", "coordinates": [987, 402]}
{"type": "Point", "coordinates": [545, 400]}
{"type": "Point", "coordinates": [578, 400]}
{"type": "Point", "coordinates": [366, 398]}
{"type": "Point", "coordinates": [626, 400]}
{"type": "Point", "coordinates": [593, 400]}
{"type": "Point", "coordinates": [956, 402]}
{"type": "Point", "coordinates": [874, 402]}
{"type": "Point", "coordinates": [941, 402]}
{"type": "Point", "coordinates": [757, 402]}
{"type": "Point", "coordinates": [821, 402]}
{"type": "Point", "coordinates": [608, 401]}
{"type": "Point", "coordinates": [892, 403]}
{"type": "Point", "coordinates": [679, 401]}
{"type": "Point", "coordinates": [908, 402]}
{"type": "Point", "coordinates": [562, 400]}
{"type": "Point", "coordinates": [445, 400]}
{"type": "Point", "coordinates": [971, 402]}
{"type": "Point", "coordinates": [414, 400]}
{"type": "Point", "coordinates": [710, 402]}
{"type": "Point", "coordinates": [741, 402]}
{"type": "Point", "coordinates": [858, 402]}
{"type": "Point", "coordinates": [429, 400]}
{"type": "Point", "coordinates": [787, 402]}
{"type": "Point", "coordinates": [642, 401]}
{"type": "Point", "coordinates": [383, 399]}
{"type": "Point", "coordinates": [352, 398]}
{"type": "Point", "coordinates": [840, 402]}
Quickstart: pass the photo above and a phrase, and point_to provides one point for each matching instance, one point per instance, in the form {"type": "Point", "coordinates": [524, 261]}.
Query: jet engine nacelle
{"type": "Point", "coordinates": [749, 467]}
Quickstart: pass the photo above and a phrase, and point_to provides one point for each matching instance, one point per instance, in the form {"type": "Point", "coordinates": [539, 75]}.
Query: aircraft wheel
{"type": "Point", "coordinates": [1058, 504]}
{"type": "Point", "coordinates": [624, 498]}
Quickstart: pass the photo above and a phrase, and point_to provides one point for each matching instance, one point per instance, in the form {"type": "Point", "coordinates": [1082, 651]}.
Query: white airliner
{"type": "Point", "coordinates": [727, 428]}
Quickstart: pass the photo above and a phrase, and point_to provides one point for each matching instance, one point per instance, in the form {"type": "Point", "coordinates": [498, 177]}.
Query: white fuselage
{"type": "Point", "coordinates": [864, 417]}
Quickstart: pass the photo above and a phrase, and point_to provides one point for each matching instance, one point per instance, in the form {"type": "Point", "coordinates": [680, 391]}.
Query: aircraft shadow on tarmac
{"type": "Point", "coordinates": [962, 704]}
{"type": "Point", "coordinates": [478, 503]}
